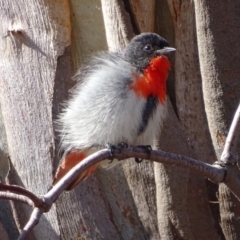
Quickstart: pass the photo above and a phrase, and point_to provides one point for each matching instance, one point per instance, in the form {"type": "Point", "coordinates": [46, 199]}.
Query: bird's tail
{"type": "Point", "coordinates": [69, 161]}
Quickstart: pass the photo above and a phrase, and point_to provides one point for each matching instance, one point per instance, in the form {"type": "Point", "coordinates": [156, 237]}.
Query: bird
{"type": "Point", "coordinates": [120, 97]}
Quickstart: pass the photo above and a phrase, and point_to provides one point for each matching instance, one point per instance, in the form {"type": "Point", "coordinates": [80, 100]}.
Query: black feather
{"type": "Point", "coordinates": [148, 112]}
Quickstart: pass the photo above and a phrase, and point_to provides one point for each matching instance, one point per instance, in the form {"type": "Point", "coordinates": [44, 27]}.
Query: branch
{"type": "Point", "coordinates": [22, 191]}
{"type": "Point", "coordinates": [33, 221]}
{"type": "Point", "coordinates": [56, 190]}
{"type": "Point", "coordinates": [16, 197]}
{"type": "Point", "coordinates": [231, 141]}
{"type": "Point", "coordinates": [216, 173]}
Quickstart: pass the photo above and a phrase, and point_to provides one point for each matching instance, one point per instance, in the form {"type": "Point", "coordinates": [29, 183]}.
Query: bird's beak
{"type": "Point", "coordinates": [165, 51]}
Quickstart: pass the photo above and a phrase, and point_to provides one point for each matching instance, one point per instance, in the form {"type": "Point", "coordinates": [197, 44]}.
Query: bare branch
{"type": "Point", "coordinates": [21, 191]}
{"type": "Point", "coordinates": [16, 197]}
{"type": "Point", "coordinates": [33, 221]}
{"type": "Point", "coordinates": [215, 173]}
{"type": "Point", "coordinates": [231, 141]}
{"type": "Point", "coordinates": [54, 193]}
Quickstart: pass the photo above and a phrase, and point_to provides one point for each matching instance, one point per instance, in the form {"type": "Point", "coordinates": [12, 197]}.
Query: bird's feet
{"type": "Point", "coordinates": [117, 147]}
{"type": "Point", "coordinates": [147, 148]}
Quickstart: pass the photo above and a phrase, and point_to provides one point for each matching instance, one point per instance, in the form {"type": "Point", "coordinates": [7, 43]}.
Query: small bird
{"type": "Point", "coordinates": [120, 97]}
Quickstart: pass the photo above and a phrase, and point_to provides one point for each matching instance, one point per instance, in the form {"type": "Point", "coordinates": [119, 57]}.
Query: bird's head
{"type": "Point", "coordinates": [144, 47]}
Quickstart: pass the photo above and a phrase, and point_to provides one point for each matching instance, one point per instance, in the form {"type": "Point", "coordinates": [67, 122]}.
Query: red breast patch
{"type": "Point", "coordinates": [153, 80]}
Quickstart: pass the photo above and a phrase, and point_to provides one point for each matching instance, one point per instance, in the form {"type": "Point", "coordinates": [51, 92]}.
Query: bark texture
{"type": "Point", "coordinates": [33, 35]}
{"type": "Point", "coordinates": [186, 192]}
{"type": "Point", "coordinates": [217, 36]}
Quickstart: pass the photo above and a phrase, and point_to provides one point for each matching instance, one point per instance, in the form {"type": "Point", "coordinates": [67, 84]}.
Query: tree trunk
{"type": "Point", "coordinates": [186, 205]}
{"type": "Point", "coordinates": [217, 36]}
{"type": "Point", "coordinates": [33, 35]}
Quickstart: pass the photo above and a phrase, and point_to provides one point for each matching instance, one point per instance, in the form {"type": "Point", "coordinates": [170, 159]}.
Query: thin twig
{"type": "Point", "coordinates": [33, 221]}
{"type": "Point", "coordinates": [227, 155]}
{"type": "Point", "coordinates": [21, 191]}
{"type": "Point", "coordinates": [16, 197]}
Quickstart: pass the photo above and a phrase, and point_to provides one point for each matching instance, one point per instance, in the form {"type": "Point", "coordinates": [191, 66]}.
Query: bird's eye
{"type": "Point", "coordinates": [148, 48]}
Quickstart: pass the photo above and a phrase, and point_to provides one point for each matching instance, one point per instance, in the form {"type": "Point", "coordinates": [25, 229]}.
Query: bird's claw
{"type": "Point", "coordinates": [110, 148]}
{"type": "Point", "coordinates": [118, 147]}
{"type": "Point", "coordinates": [138, 160]}
{"type": "Point", "coordinates": [123, 145]}
{"type": "Point", "coordinates": [147, 148]}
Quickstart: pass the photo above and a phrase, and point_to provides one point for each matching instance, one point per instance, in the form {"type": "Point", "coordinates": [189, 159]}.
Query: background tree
{"type": "Point", "coordinates": [42, 45]}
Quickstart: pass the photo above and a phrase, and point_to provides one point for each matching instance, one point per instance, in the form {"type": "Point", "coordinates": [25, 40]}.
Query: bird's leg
{"type": "Point", "coordinates": [113, 148]}
{"type": "Point", "coordinates": [110, 148]}
{"type": "Point", "coordinates": [147, 148]}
